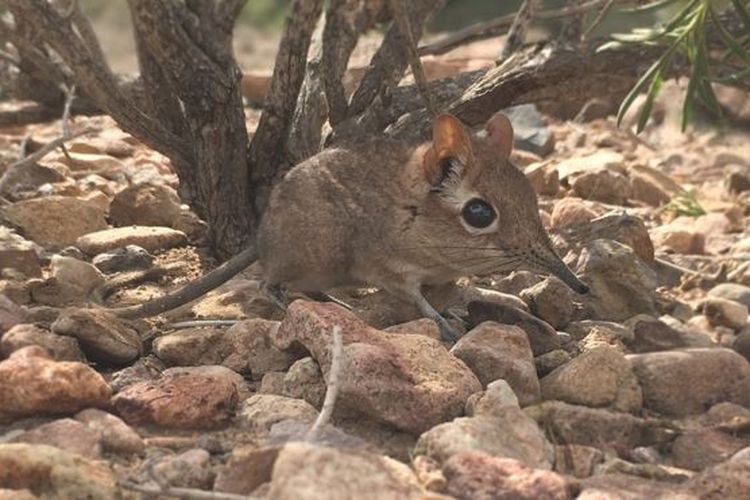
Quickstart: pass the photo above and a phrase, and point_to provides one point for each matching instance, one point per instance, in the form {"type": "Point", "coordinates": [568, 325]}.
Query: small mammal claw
{"type": "Point", "coordinates": [447, 332]}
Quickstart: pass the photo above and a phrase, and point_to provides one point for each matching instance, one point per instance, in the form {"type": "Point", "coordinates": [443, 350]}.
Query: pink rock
{"type": "Point", "coordinates": [116, 435]}
{"type": "Point", "coordinates": [33, 384]}
{"type": "Point", "coordinates": [184, 398]}
{"type": "Point", "coordinates": [495, 351]}
{"type": "Point", "coordinates": [66, 434]}
{"type": "Point", "coordinates": [408, 381]}
{"type": "Point", "coordinates": [473, 475]}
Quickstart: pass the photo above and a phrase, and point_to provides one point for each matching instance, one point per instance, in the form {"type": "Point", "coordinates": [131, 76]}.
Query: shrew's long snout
{"type": "Point", "coordinates": [545, 259]}
{"type": "Point", "coordinates": [559, 269]}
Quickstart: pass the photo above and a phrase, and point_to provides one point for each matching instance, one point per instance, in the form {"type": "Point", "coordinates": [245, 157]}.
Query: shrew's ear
{"type": "Point", "coordinates": [451, 148]}
{"type": "Point", "coordinates": [500, 134]}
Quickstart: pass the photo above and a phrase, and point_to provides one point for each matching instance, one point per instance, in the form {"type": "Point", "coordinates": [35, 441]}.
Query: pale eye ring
{"type": "Point", "coordinates": [478, 213]}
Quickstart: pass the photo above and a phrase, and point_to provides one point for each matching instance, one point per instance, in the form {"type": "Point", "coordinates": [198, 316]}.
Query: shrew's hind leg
{"type": "Point", "coordinates": [275, 294]}
{"type": "Point", "coordinates": [414, 294]}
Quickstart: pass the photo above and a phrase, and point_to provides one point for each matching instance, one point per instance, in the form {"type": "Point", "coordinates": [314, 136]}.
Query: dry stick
{"type": "Point", "coordinates": [404, 25]}
{"type": "Point", "coordinates": [496, 27]}
{"type": "Point", "coordinates": [183, 493]}
{"type": "Point", "coordinates": [199, 323]}
{"type": "Point", "coordinates": [52, 145]}
{"type": "Point", "coordinates": [332, 389]}
{"type": "Point", "coordinates": [517, 31]}
{"type": "Point", "coordinates": [603, 10]}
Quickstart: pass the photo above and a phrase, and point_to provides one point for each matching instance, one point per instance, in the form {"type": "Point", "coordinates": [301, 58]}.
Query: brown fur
{"type": "Point", "coordinates": [372, 215]}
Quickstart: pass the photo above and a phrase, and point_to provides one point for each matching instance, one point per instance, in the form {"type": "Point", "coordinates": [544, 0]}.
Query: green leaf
{"type": "Point", "coordinates": [653, 91]}
{"type": "Point", "coordinates": [736, 48]}
{"type": "Point", "coordinates": [637, 89]}
{"type": "Point", "coordinates": [687, 104]}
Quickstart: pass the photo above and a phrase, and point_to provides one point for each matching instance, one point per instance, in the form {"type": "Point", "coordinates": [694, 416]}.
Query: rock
{"type": "Point", "coordinates": [543, 177]}
{"type": "Point", "coordinates": [147, 368]}
{"type": "Point", "coordinates": [601, 160]}
{"type": "Point", "coordinates": [732, 291]}
{"type": "Point", "coordinates": [261, 411]}
{"type": "Point", "coordinates": [115, 435]}
{"type": "Point", "coordinates": [743, 454]}
{"type": "Point", "coordinates": [550, 300]}
{"type": "Point", "coordinates": [247, 468]}
{"type": "Point", "coordinates": [54, 221]}
{"type": "Point", "coordinates": [33, 384]}
{"type": "Point", "coordinates": [571, 212]}
{"type": "Point", "coordinates": [304, 380]}
{"type": "Point", "coordinates": [549, 361]}
{"type": "Point", "coordinates": [75, 274]}
{"type": "Point", "coordinates": [723, 312]}
{"type": "Point", "coordinates": [317, 473]}
{"type": "Point", "coordinates": [19, 183]}
{"type": "Point", "coordinates": [581, 329]}
{"type": "Point", "coordinates": [101, 334]}
{"type": "Point", "coordinates": [11, 314]}
{"type": "Point", "coordinates": [687, 381]}
{"type": "Point", "coordinates": [598, 378]}
{"type": "Point", "coordinates": [60, 347]}
{"type": "Point", "coordinates": [145, 205]}
{"type": "Point", "coordinates": [623, 228]}
{"type": "Point", "coordinates": [679, 237]}
{"type": "Point", "coordinates": [741, 344]}
{"type": "Point", "coordinates": [126, 258]}
{"type": "Point", "coordinates": [494, 351]}
{"type": "Point", "coordinates": [530, 130]}
{"type": "Point", "coordinates": [730, 479]}
{"type": "Point", "coordinates": [573, 424]}
{"type": "Point", "coordinates": [189, 469]}
{"type": "Point", "coordinates": [507, 433]}
{"type": "Point", "coordinates": [498, 395]}
{"type": "Point", "coordinates": [620, 285]}
{"type": "Point", "coordinates": [273, 383]}
{"type": "Point", "coordinates": [202, 397]}
{"type": "Point", "coordinates": [244, 348]}
{"type": "Point", "coordinates": [516, 282]}
{"type": "Point", "coordinates": [603, 185]}
{"type": "Point", "coordinates": [408, 381]}
{"type": "Point", "coordinates": [18, 254]}
{"type": "Point", "coordinates": [14, 494]}
{"type": "Point", "coordinates": [473, 475]}
{"type": "Point", "coordinates": [697, 450]}
{"type": "Point", "coordinates": [628, 487]}
{"type": "Point", "coordinates": [66, 434]}
{"type": "Point", "coordinates": [651, 186]}
{"type": "Point", "coordinates": [542, 337]}
{"type": "Point", "coordinates": [53, 473]}
{"type": "Point", "coordinates": [737, 179]}
{"type": "Point", "coordinates": [651, 335]}
{"type": "Point", "coordinates": [577, 460]}
{"type": "Point", "coordinates": [151, 238]}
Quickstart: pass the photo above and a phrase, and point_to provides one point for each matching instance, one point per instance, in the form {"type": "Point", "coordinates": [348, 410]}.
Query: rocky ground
{"type": "Point", "coordinates": [639, 390]}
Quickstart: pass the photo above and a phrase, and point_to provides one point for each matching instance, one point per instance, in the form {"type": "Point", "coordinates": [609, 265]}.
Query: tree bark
{"type": "Point", "coordinates": [192, 83]}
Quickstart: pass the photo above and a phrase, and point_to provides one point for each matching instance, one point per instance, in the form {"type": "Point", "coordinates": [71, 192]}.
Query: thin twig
{"type": "Point", "coordinates": [496, 27]}
{"type": "Point", "coordinates": [54, 144]}
{"type": "Point", "coordinates": [7, 56]}
{"type": "Point", "coordinates": [198, 323]}
{"type": "Point", "coordinates": [183, 493]}
{"type": "Point", "coordinates": [332, 389]}
{"type": "Point", "coordinates": [401, 17]}
{"type": "Point", "coordinates": [517, 31]}
{"type": "Point", "coordinates": [47, 148]}
{"type": "Point", "coordinates": [597, 20]}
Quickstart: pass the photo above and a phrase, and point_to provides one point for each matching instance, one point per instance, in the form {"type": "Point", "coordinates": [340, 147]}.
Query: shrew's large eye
{"type": "Point", "coordinates": [478, 213]}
